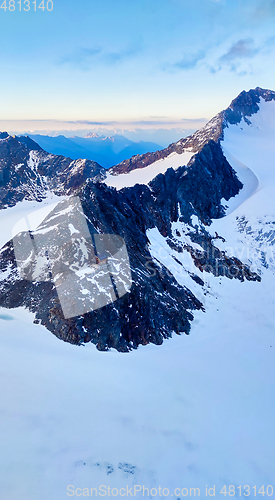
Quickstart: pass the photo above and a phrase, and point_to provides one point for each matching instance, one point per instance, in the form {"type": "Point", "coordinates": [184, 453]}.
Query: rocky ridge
{"type": "Point", "coordinates": [243, 106]}
{"type": "Point", "coordinates": [27, 172]}
{"type": "Point", "coordinates": [156, 305]}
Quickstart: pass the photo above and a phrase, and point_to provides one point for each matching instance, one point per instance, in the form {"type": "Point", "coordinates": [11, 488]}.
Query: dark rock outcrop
{"type": "Point", "coordinates": [247, 104]}
{"type": "Point", "coordinates": [28, 172]}
{"type": "Point", "coordinates": [243, 106]}
{"type": "Point", "coordinates": [157, 305]}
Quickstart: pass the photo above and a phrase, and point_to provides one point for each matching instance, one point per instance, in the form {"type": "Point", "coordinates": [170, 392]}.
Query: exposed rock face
{"type": "Point", "coordinates": [156, 305]}
{"type": "Point", "coordinates": [28, 172]}
{"type": "Point", "coordinates": [246, 104]}
{"type": "Point", "coordinates": [242, 107]}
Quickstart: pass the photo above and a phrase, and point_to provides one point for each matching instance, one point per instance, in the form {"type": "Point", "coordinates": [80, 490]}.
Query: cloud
{"type": "Point", "coordinates": [86, 58]}
{"type": "Point", "coordinates": [116, 57]}
{"type": "Point", "coordinates": [80, 57]}
{"type": "Point", "coordinates": [270, 41]}
{"type": "Point", "coordinates": [239, 57]}
{"type": "Point", "coordinates": [265, 9]}
{"type": "Point", "coordinates": [239, 50]}
{"type": "Point", "coordinates": [188, 62]}
{"type": "Point", "coordinates": [220, 2]}
{"type": "Point", "coordinates": [161, 121]}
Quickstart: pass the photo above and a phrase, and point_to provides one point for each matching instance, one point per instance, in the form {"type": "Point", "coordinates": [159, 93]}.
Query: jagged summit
{"type": "Point", "coordinates": [173, 226]}
{"type": "Point", "coordinates": [243, 106]}
{"type": "Point", "coordinates": [246, 104]}
{"type": "Point", "coordinates": [91, 135]}
{"type": "Point", "coordinates": [27, 172]}
{"type": "Point", "coordinates": [3, 135]}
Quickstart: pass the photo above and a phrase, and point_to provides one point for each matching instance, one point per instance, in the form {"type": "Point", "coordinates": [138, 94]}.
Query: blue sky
{"type": "Point", "coordinates": [133, 61]}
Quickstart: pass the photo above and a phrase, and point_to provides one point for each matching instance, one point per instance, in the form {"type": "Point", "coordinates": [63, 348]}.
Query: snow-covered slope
{"type": "Point", "coordinates": [145, 175]}
{"type": "Point", "coordinates": [247, 124]}
{"type": "Point", "coordinates": [10, 217]}
{"type": "Point", "coordinates": [249, 180]}
{"type": "Point", "coordinates": [196, 411]}
{"type": "Point", "coordinates": [235, 337]}
{"type": "Point", "coordinates": [250, 228]}
{"type": "Point", "coordinates": [253, 144]}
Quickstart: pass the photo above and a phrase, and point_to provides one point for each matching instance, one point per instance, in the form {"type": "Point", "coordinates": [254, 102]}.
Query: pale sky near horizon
{"type": "Point", "coordinates": [125, 61]}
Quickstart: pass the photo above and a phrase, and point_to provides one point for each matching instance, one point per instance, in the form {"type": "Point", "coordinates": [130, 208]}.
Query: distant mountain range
{"type": "Point", "coordinates": [107, 151]}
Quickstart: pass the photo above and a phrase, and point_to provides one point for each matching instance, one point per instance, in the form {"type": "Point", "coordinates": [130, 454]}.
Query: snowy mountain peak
{"type": "Point", "coordinates": [187, 229]}
{"type": "Point", "coordinates": [91, 135]}
{"type": "Point", "coordinates": [27, 172]}
{"type": "Point", "coordinates": [3, 136]}
{"type": "Point", "coordinates": [177, 154]}
{"type": "Point", "coordinates": [246, 104]}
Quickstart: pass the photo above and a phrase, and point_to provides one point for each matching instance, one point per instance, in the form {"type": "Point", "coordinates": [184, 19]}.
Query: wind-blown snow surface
{"type": "Point", "coordinates": [198, 410]}
{"type": "Point", "coordinates": [254, 146]}
{"type": "Point", "coordinates": [249, 180]}
{"type": "Point", "coordinates": [249, 230]}
{"type": "Point", "coordinates": [10, 217]}
{"type": "Point", "coordinates": [146, 174]}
